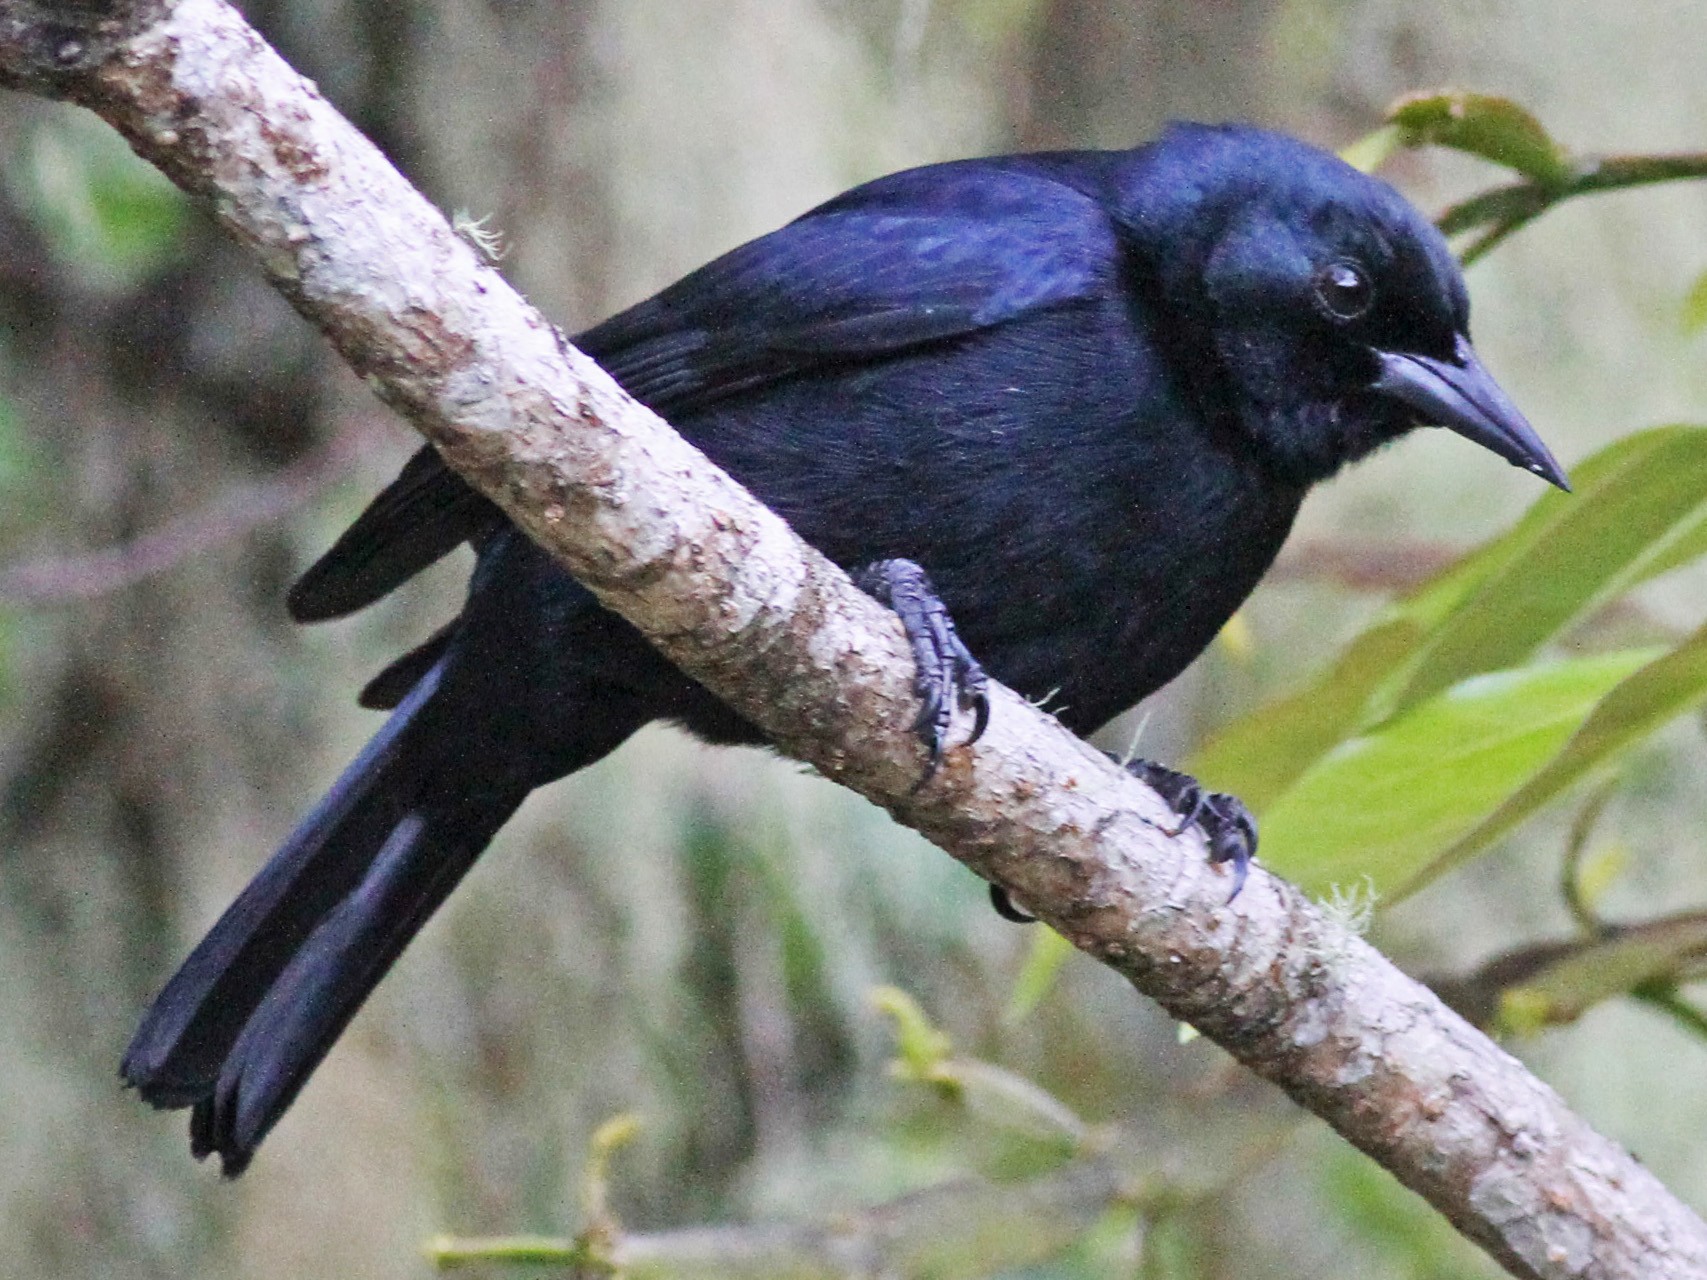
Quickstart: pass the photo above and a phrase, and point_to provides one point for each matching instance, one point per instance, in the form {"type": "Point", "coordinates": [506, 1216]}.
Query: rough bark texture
{"type": "Point", "coordinates": [726, 590]}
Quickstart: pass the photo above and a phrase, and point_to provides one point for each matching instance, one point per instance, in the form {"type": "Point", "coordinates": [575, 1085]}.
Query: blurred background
{"type": "Point", "coordinates": [687, 933]}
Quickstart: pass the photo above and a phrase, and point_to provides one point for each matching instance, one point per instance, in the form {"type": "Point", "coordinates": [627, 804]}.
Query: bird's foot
{"type": "Point", "coordinates": [947, 675]}
{"type": "Point", "coordinates": [1226, 824]}
{"type": "Point", "coordinates": [1007, 908]}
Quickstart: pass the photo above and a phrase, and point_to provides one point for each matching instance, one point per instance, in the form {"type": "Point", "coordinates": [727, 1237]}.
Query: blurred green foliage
{"type": "Point", "coordinates": [21, 494]}
{"type": "Point", "coordinates": [1410, 1240]}
{"type": "Point", "coordinates": [104, 213]}
{"type": "Point", "coordinates": [1639, 510]}
{"type": "Point", "coordinates": [1392, 804]}
{"type": "Point", "coordinates": [1695, 306]}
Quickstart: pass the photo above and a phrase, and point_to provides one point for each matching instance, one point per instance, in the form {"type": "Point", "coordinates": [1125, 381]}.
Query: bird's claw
{"type": "Point", "coordinates": [1227, 826]}
{"type": "Point", "coordinates": [1007, 908]}
{"type": "Point", "coordinates": [947, 676]}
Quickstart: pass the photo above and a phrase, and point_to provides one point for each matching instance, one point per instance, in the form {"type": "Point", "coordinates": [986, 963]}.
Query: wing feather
{"type": "Point", "coordinates": [915, 258]}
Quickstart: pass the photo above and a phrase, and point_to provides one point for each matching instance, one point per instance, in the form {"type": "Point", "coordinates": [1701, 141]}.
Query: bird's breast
{"type": "Point", "coordinates": [1088, 530]}
{"type": "Point", "coordinates": [1128, 587]}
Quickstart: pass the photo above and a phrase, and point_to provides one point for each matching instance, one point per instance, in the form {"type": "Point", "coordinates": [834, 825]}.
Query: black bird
{"type": "Point", "coordinates": [1084, 392]}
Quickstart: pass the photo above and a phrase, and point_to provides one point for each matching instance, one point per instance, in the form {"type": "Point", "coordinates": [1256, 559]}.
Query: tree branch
{"type": "Point", "coordinates": [728, 592]}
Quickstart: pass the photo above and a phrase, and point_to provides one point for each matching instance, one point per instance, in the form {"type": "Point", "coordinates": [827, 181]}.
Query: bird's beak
{"type": "Point", "coordinates": [1461, 395]}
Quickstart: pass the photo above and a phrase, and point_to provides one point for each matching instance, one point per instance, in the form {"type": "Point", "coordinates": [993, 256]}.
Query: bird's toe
{"type": "Point", "coordinates": [947, 677]}
{"type": "Point", "coordinates": [1227, 825]}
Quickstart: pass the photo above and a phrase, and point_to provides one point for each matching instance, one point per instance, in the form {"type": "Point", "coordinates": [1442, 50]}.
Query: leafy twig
{"type": "Point", "coordinates": [1498, 130]}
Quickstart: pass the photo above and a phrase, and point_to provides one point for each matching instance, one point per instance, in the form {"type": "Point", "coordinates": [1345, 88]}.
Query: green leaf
{"type": "Point", "coordinates": [1663, 689]}
{"type": "Point", "coordinates": [103, 210]}
{"type": "Point", "coordinates": [1385, 805]}
{"type": "Point", "coordinates": [1373, 150]}
{"type": "Point", "coordinates": [920, 1048]}
{"type": "Point", "coordinates": [1049, 951]}
{"type": "Point", "coordinates": [1695, 306]}
{"type": "Point", "coordinates": [1639, 510]}
{"type": "Point", "coordinates": [1551, 983]}
{"type": "Point", "coordinates": [1493, 128]}
{"type": "Point", "coordinates": [1628, 521]}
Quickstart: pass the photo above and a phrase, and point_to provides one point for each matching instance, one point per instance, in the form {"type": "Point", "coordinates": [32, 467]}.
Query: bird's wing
{"type": "Point", "coordinates": [912, 259]}
{"type": "Point", "coordinates": [916, 258]}
{"type": "Point", "coordinates": [427, 512]}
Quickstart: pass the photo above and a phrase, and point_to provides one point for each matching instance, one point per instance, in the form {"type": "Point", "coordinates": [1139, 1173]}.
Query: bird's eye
{"type": "Point", "coordinates": [1344, 290]}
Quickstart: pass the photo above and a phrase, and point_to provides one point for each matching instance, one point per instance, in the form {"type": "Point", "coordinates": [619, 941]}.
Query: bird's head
{"type": "Point", "coordinates": [1332, 313]}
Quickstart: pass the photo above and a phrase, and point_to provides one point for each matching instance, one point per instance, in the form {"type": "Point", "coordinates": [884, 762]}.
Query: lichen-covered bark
{"type": "Point", "coordinates": [728, 592]}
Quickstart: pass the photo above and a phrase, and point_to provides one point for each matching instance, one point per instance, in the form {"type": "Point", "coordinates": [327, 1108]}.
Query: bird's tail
{"type": "Point", "coordinates": [241, 1026]}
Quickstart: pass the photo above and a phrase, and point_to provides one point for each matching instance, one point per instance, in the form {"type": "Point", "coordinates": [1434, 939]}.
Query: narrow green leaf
{"type": "Point", "coordinates": [1373, 150]}
{"type": "Point", "coordinates": [920, 1048]}
{"type": "Point", "coordinates": [1695, 306]}
{"type": "Point", "coordinates": [1640, 509]}
{"type": "Point", "coordinates": [1493, 128]}
{"type": "Point", "coordinates": [1628, 522]}
{"type": "Point", "coordinates": [1661, 690]}
{"type": "Point", "coordinates": [1551, 983]}
{"type": "Point", "coordinates": [446, 1252]}
{"type": "Point", "coordinates": [1049, 951]}
{"type": "Point", "coordinates": [1385, 805]}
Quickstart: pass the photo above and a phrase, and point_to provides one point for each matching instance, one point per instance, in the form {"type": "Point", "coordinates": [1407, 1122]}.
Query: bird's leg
{"type": "Point", "coordinates": [1227, 825]}
{"type": "Point", "coordinates": [946, 673]}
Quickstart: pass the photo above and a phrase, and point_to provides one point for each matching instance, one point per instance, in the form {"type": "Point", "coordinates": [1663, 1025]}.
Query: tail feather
{"type": "Point", "coordinates": [239, 1028]}
{"type": "Point", "coordinates": [176, 1054]}
{"type": "Point", "coordinates": [312, 1000]}
{"type": "Point", "coordinates": [388, 689]}
{"type": "Point", "coordinates": [258, 1004]}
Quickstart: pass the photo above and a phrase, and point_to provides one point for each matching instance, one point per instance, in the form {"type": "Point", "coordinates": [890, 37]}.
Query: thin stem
{"type": "Point", "coordinates": [1507, 209]}
{"type": "Point", "coordinates": [538, 1251]}
{"type": "Point", "coordinates": [1576, 847]}
{"type": "Point", "coordinates": [1664, 997]}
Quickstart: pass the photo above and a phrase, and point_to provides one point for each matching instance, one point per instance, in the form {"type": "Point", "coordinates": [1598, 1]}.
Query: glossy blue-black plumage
{"type": "Point", "coordinates": [1085, 391]}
